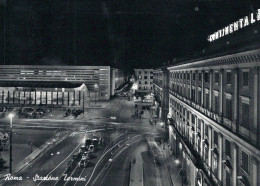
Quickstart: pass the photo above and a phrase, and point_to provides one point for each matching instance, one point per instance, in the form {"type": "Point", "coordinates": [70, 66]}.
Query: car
{"type": "Point", "coordinates": [83, 162]}
{"type": "Point", "coordinates": [82, 149]}
{"type": "Point", "coordinates": [95, 141]}
{"type": "Point", "coordinates": [87, 154]}
{"type": "Point", "coordinates": [91, 148]}
{"type": "Point", "coordinates": [88, 142]}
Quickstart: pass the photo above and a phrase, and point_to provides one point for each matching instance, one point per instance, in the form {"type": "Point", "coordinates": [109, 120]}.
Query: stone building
{"type": "Point", "coordinates": [214, 117]}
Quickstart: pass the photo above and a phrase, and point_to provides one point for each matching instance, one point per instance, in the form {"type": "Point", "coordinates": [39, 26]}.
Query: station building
{"type": "Point", "coordinates": [117, 78]}
{"type": "Point", "coordinates": [53, 85]}
{"type": "Point", "coordinates": [214, 118]}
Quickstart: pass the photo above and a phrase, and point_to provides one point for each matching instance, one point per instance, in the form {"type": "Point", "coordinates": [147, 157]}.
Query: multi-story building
{"type": "Point", "coordinates": [144, 80]}
{"type": "Point", "coordinates": [161, 92]}
{"type": "Point", "coordinates": [214, 120]}
{"type": "Point", "coordinates": [52, 84]}
{"type": "Point", "coordinates": [117, 78]}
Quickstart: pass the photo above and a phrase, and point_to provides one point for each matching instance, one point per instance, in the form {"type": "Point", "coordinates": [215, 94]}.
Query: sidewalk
{"type": "Point", "coordinates": [36, 153]}
{"type": "Point", "coordinates": [169, 166]}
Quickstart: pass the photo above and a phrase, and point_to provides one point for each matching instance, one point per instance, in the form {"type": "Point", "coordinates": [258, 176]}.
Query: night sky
{"type": "Point", "coordinates": [120, 33]}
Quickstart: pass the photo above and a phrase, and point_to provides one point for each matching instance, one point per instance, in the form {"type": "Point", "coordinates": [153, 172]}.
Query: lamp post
{"type": "Point", "coordinates": [95, 87]}
{"type": "Point", "coordinates": [11, 115]}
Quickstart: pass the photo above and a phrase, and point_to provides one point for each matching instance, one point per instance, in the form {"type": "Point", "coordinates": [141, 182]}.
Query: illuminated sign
{"type": "Point", "coordinates": [241, 23]}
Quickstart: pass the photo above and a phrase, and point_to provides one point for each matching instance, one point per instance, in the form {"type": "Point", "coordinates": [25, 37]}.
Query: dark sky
{"type": "Point", "coordinates": [120, 33]}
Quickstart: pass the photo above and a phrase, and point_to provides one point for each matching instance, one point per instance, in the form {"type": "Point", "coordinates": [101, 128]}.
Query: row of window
{"type": "Point", "coordinates": [243, 160]}
{"type": "Point", "coordinates": [145, 82]}
{"type": "Point", "coordinates": [145, 88]}
{"type": "Point", "coordinates": [145, 77]}
{"type": "Point", "coordinates": [186, 76]}
{"type": "Point", "coordinates": [151, 72]}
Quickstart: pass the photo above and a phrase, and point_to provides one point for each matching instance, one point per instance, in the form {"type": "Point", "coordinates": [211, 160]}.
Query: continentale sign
{"type": "Point", "coordinates": [235, 26]}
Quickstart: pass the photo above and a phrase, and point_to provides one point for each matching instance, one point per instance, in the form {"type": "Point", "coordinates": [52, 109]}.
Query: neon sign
{"type": "Point", "coordinates": [239, 24]}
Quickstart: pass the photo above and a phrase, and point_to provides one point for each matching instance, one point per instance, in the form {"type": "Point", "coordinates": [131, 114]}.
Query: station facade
{"type": "Point", "coordinates": [61, 85]}
{"type": "Point", "coordinates": [214, 119]}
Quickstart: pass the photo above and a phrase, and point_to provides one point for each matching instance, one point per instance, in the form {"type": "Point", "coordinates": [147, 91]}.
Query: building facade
{"type": "Point", "coordinates": [214, 117]}
{"type": "Point", "coordinates": [144, 80]}
{"type": "Point", "coordinates": [44, 84]}
{"type": "Point", "coordinates": [117, 78]}
{"type": "Point", "coordinates": [161, 92]}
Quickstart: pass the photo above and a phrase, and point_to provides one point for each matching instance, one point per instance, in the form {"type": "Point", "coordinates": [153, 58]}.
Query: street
{"type": "Point", "coordinates": [123, 158]}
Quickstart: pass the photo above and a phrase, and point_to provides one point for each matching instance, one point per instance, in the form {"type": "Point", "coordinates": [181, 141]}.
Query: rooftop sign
{"type": "Point", "coordinates": [237, 25]}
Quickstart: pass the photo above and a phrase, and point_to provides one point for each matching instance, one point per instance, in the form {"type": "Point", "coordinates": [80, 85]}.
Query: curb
{"type": "Point", "coordinates": [38, 153]}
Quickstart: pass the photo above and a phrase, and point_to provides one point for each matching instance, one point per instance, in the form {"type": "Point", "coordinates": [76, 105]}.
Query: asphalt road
{"type": "Point", "coordinates": [111, 163]}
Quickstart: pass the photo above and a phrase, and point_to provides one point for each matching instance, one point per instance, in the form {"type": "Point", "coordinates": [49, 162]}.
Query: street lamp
{"type": "Point", "coordinates": [95, 87]}
{"type": "Point", "coordinates": [11, 115]}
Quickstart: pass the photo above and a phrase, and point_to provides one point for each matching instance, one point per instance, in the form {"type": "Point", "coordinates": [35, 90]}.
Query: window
{"type": "Point", "coordinates": [151, 72]}
{"type": "Point", "coordinates": [151, 77]}
{"type": "Point", "coordinates": [145, 72]}
{"type": "Point", "coordinates": [139, 77]}
{"type": "Point", "coordinates": [228, 109]}
{"type": "Point", "coordinates": [140, 82]}
{"type": "Point", "coordinates": [228, 148]}
{"type": "Point", "coordinates": [228, 178]}
{"type": "Point", "coordinates": [206, 130]}
{"type": "Point", "coordinates": [228, 77]}
{"type": "Point", "coordinates": [139, 88]}
{"type": "Point", "coordinates": [207, 101]}
{"type": "Point", "coordinates": [193, 95]}
{"type": "Point", "coordinates": [188, 76]}
{"type": "Point", "coordinates": [140, 72]}
{"type": "Point", "coordinates": [215, 138]}
{"type": "Point", "coordinates": [184, 76]}
{"type": "Point", "coordinates": [145, 88]}
{"type": "Point", "coordinates": [145, 82]}
{"type": "Point", "coordinates": [199, 97]}
{"type": "Point", "coordinates": [193, 76]}
{"type": "Point", "coordinates": [244, 162]}
{"type": "Point", "coordinates": [245, 78]}
{"type": "Point", "coordinates": [151, 88]}
{"type": "Point", "coordinates": [206, 155]}
{"type": "Point", "coordinates": [245, 115]}
{"type": "Point", "coordinates": [145, 77]}
{"type": "Point", "coordinates": [216, 109]}
{"type": "Point", "coordinates": [216, 77]}
{"type": "Point", "coordinates": [206, 75]}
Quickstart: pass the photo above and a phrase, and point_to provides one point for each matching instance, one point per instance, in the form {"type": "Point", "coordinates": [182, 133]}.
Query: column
{"type": "Point", "coordinates": [68, 98]}
{"type": "Point", "coordinates": [256, 173]}
{"type": "Point", "coordinates": [3, 92]}
{"type": "Point", "coordinates": [210, 90]}
{"type": "Point", "coordinates": [8, 96]}
{"type": "Point", "coordinates": [202, 138]}
{"type": "Point", "coordinates": [62, 97]}
{"type": "Point", "coordinates": [220, 169]}
{"type": "Point", "coordinates": [202, 89]}
{"type": "Point", "coordinates": [57, 101]}
{"type": "Point", "coordinates": [13, 96]}
{"type": "Point", "coordinates": [235, 164]}
{"type": "Point", "coordinates": [74, 96]}
{"type": "Point", "coordinates": [51, 97]}
{"type": "Point", "coordinates": [79, 97]}
{"type": "Point", "coordinates": [191, 86]}
{"type": "Point", "coordinates": [34, 96]}
{"type": "Point", "coordinates": [40, 97]}
{"type": "Point", "coordinates": [24, 97]}
{"type": "Point", "coordinates": [46, 98]}
{"type": "Point", "coordinates": [210, 147]}
{"type": "Point", "coordinates": [30, 97]}
{"type": "Point", "coordinates": [256, 101]}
